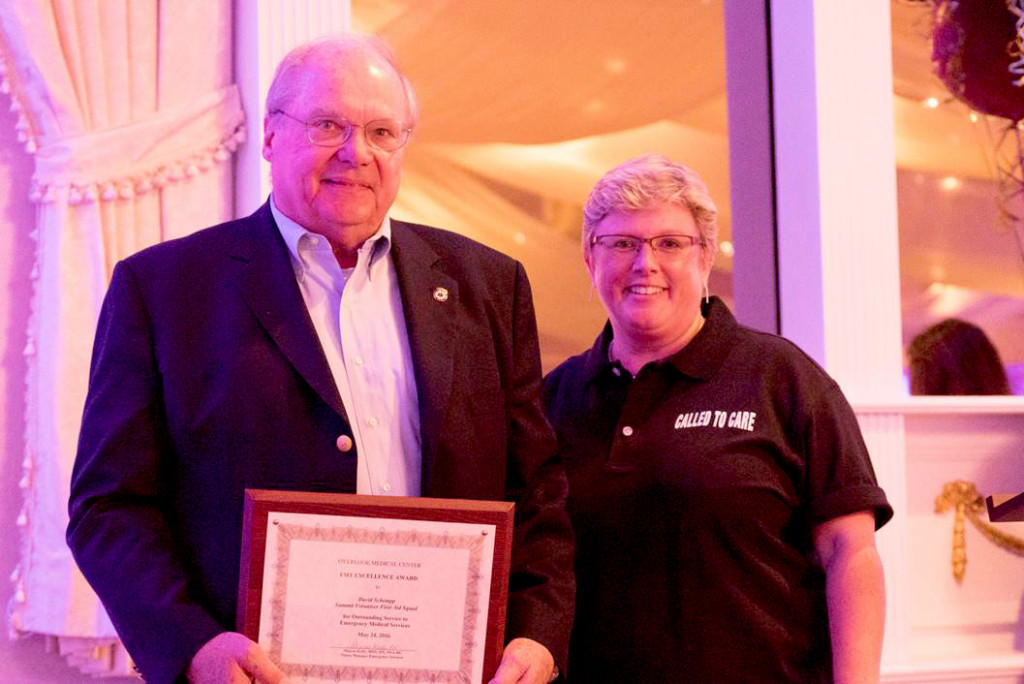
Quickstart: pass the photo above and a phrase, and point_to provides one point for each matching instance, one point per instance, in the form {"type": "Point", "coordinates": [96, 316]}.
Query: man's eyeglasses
{"type": "Point", "coordinates": [629, 245]}
{"type": "Point", "coordinates": [386, 135]}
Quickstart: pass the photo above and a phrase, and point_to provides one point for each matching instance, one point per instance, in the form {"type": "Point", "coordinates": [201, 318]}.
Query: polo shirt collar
{"type": "Point", "coordinates": [596, 361]}
{"type": "Point", "coordinates": [700, 358]}
{"type": "Point", "coordinates": [706, 352]}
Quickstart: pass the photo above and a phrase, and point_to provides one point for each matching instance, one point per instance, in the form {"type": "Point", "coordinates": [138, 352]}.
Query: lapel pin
{"type": "Point", "coordinates": [440, 294]}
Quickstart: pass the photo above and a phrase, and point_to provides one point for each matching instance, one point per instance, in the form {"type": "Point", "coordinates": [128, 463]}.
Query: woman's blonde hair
{"type": "Point", "coordinates": [644, 181]}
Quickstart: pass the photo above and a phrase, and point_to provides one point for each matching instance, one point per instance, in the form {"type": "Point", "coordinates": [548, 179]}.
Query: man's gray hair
{"type": "Point", "coordinates": [282, 87]}
{"type": "Point", "coordinates": [644, 181]}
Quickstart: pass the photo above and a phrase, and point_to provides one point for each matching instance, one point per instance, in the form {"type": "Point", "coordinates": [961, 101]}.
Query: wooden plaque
{"type": "Point", "coordinates": [346, 587]}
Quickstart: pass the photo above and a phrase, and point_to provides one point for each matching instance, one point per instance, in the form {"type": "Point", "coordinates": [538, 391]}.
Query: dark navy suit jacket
{"type": "Point", "coordinates": [208, 377]}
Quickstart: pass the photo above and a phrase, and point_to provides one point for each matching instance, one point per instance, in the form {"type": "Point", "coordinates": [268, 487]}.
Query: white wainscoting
{"type": "Point", "coordinates": [938, 629]}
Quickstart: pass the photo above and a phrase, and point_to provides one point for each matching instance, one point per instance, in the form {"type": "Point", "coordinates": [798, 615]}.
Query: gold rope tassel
{"type": "Point", "coordinates": [964, 497]}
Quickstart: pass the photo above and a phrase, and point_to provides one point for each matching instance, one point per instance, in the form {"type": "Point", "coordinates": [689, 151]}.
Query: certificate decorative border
{"type": "Point", "coordinates": [351, 534]}
{"type": "Point", "coordinates": [260, 504]}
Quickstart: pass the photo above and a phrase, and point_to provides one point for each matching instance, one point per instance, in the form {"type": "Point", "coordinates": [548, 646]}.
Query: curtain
{"type": "Point", "coordinates": [130, 113]}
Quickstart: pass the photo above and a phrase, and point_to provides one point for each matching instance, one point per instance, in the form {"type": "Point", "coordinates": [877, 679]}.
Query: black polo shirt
{"type": "Point", "coordinates": [694, 488]}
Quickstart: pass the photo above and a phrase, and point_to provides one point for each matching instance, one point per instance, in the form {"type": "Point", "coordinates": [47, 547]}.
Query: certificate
{"type": "Point", "coordinates": [345, 587]}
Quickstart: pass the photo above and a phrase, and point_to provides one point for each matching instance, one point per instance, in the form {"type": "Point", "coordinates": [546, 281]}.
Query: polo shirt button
{"type": "Point", "coordinates": [386, 486]}
{"type": "Point", "coordinates": [627, 431]}
{"type": "Point", "coordinates": [344, 443]}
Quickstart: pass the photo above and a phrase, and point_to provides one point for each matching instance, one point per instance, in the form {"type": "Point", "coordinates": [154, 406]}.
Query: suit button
{"type": "Point", "coordinates": [344, 443]}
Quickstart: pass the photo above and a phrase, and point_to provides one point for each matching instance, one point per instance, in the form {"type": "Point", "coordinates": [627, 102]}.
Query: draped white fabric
{"type": "Point", "coordinates": [526, 105]}
{"type": "Point", "coordinates": [438, 192]}
{"type": "Point", "coordinates": [130, 112]}
{"type": "Point", "coordinates": [546, 96]}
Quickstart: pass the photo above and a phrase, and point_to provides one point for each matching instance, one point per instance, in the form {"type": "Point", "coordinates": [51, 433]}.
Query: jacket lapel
{"type": "Point", "coordinates": [267, 283]}
{"type": "Point", "coordinates": [430, 299]}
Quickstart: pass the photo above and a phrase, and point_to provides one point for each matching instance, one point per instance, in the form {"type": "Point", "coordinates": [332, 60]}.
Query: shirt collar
{"type": "Point", "coordinates": [597, 361]}
{"type": "Point", "coordinates": [379, 243]}
{"type": "Point", "coordinates": [700, 358]}
{"type": "Point", "coordinates": [706, 352]}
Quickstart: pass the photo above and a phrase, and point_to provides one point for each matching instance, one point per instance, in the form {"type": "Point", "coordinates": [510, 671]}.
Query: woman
{"type": "Point", "coordinates": [955, 357]}
{"type": "Point", "coordinates": [722, 495]}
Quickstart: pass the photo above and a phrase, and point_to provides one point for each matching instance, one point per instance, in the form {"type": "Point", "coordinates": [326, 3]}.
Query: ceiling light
{"type": "Point", "coordinates": [950, 183]}
{"type": "Point", "coordinates": [949, 300]}
{"type": "Point", "coordinates": [614, 66]}
{"type": "Point", "coordinates": [726, 248]}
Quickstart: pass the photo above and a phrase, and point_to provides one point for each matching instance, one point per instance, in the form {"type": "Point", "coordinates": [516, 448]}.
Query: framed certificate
{"type": "Point", "coordinates": [345, 587]}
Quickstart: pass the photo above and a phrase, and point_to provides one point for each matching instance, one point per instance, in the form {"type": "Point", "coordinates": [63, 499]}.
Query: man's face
{"type": "Point", "coordinates": [340, 192]}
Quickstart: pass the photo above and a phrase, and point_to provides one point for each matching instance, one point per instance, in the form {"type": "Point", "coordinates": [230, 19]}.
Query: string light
{"type": "Point", "coordinates": [950, 183]}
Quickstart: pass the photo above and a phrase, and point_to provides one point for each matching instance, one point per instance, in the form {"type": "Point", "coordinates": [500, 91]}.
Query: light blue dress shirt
{"type": "Point", "coordinates": [358, 316]}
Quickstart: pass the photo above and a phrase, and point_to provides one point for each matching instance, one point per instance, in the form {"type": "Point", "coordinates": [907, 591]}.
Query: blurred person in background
{"type": "Point", "coordinates": [955, 357]}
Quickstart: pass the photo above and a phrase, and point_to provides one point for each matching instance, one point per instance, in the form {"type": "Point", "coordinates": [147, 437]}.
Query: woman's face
{"type": "Point", "coordinates": [651, 296]}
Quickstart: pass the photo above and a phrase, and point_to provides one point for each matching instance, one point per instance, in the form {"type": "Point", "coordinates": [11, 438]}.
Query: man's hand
{"type": "Point", "coordinates": [232, 658]}
{"type": "Point", "coordinates": [525, 661]}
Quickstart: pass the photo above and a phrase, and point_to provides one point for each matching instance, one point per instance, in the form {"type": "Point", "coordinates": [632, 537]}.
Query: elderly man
{"type": "Point", "coordinates": [315, 345]}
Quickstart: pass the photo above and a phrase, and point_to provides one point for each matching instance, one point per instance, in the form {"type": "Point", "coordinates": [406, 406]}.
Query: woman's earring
{"type": "Point", "coordinates": [707, 296]}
